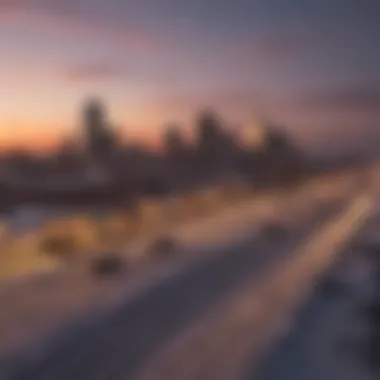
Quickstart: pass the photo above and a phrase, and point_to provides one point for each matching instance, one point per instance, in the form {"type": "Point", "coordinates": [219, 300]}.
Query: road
{"type": "Point", "coordinates": [329, 337]}
{"type": "Point", "coordinates": [241, 329]}
{"type": "Point", "coordinates": [126, 342]}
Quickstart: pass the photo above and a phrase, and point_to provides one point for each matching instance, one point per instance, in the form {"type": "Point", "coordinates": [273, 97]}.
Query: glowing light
{"type": "Point", "coordinates": [254, 135]}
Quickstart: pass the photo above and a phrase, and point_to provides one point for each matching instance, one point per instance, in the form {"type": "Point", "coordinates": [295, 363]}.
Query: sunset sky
{"type": "Point", "coordinates": [312, 65]}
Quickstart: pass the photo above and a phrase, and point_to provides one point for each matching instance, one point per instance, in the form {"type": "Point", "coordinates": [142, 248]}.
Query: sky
{"type": "Point", "coordinates": [311, 66]}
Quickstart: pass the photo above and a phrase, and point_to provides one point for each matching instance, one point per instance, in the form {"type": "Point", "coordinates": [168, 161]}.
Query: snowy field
{"type": "Point", "coordinates": [39, 307]}
{"type": "Point", "coordinates": [330, 335]}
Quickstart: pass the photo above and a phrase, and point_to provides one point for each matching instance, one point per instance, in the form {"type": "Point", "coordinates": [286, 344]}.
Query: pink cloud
{"type": "Point", "coordinates": [222, 99]}
{"type": "Point", "coordinates": [234, 106]}
{"type": "Point", "coordinates": [364, 98]}
{"type": "Point", "coordinates": [281, 44]}
{"type": "Point", "coordinates": [92, 72]}
{"type": "Point", "coordinates": [273, 48]}
{"type": "Point", "coordinates": [54, 6]}
{"type": "Point", "coordinates": [69, 20]}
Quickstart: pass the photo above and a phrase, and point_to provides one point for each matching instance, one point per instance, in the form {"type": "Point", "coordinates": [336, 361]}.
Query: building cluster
{"type": "Point", "coordinates": [259, 152]}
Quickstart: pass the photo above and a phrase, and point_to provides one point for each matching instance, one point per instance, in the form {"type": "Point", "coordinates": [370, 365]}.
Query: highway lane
{"type": "Point", "coordinates": [222, 344]}
{"type": "Point", "coordinates": [40, 307]}
{"type": "Point", "coordinates": [117, 347]}
{"type": "Point", "coordinates": [328, 339]}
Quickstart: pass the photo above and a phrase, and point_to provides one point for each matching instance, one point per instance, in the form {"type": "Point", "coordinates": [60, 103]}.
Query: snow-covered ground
{"type": "Point", "coordinates": [219, 345]}
{"type": "Point", "coordinates": [40, 306]}
{"type": "Point", "coordinates": [329, 338]}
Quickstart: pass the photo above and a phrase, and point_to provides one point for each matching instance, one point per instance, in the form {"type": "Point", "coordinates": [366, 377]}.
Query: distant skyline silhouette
{"type": "Point", "coordinates": [310, 65]}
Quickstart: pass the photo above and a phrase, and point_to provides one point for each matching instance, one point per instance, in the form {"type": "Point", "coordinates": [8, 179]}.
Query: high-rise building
{"type": "Point", "coordinates": [174, 143]}
{"type": "Point", "coordinates": [94, 127]}
{"type": "Point", "coordinates": [210, 137]}
{"type": "Point", "coordinates": [99, 138]}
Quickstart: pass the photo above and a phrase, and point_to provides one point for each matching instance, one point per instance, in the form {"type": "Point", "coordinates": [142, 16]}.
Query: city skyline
{"type": "Point", "coordinates": [312, 66]}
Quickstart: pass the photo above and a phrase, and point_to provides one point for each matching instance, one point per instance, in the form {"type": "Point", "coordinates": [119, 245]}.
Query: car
{"type": "Point", "coordinates": [107, 265]}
